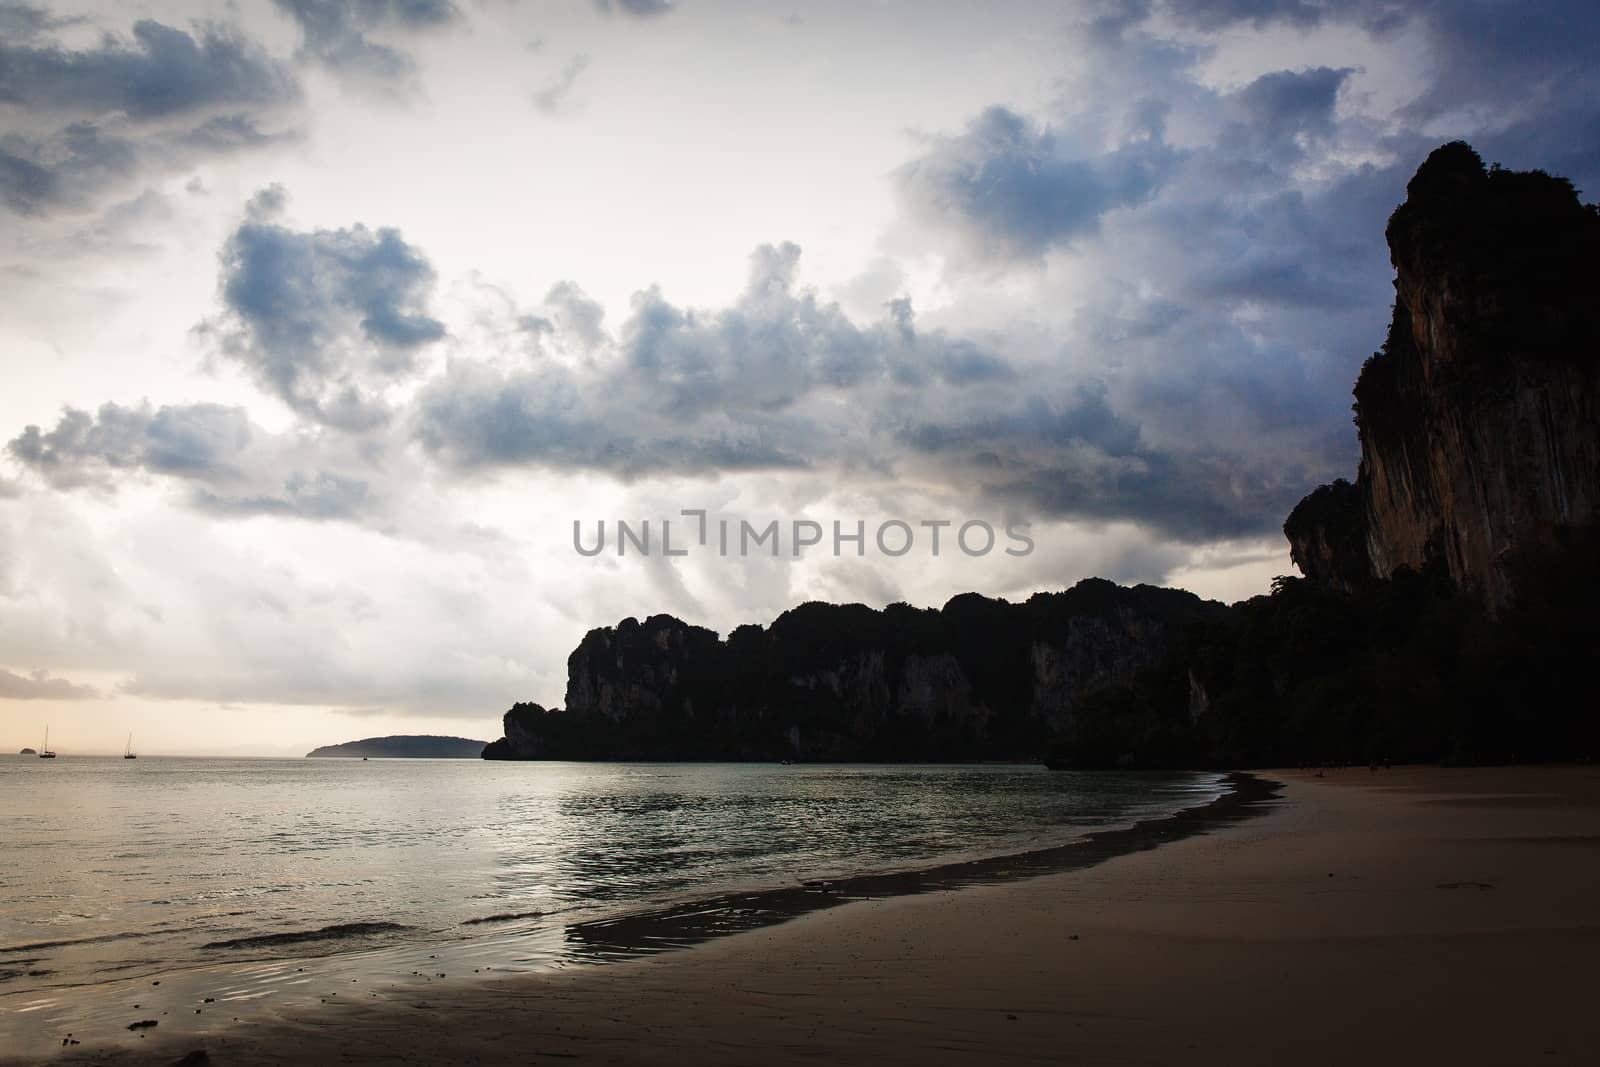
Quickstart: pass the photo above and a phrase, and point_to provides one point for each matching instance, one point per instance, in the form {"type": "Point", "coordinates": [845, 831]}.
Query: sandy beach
{"type": "Point", "coordinates": [1400, 916]}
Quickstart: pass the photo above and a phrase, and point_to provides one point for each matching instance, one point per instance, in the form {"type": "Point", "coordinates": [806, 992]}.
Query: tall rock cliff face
{"type": "Point", "coordinates": [978, 679]}
{"type": "Point", "coordinates": [1480, 418]}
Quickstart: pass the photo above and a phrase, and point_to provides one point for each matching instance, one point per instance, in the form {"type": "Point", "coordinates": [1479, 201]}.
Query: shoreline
{"type": "Point", "coordinates": [1412, 915]}
{"type": "Point", "coordinates": [694, 922]}
{"type": "Point", "coordinates": [252, 987]}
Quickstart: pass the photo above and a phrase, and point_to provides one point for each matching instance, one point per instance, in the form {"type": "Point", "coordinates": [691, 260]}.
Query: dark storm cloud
{"type": "Point", "coordinates": [1527, 73]}
{"type": "Point", "coordinates": [40, 686]}
{"type": "Point", "coordinates": [65, 169]}
{"type": "Point", "coordinates": [325, 319]}
{"type": "Point", "coordinates": [1223, 311]}
{"type": "Point", "coordinates": [229, 465]}
{"type": "Point", "coordinates": [1318, 247]}
{"type": "Point", "coordinates": [762, 353]}
{"type": "Point", "coordinates": [85, 122]}
{"type": "Point", "coordinates": [77, 166]}
{"type": "Point", "coordinates": [1186, 498]}
{"type": "Point", "coordinates": [1220, 14]}
{"type": "Point", "coordinates": [1519, 79]}
{"type": "Point", "coordinates": [476, 418]}
{"type": "Point", "coordinates": [180, 441]}
{"type": "Point", "coordinates": [162, 72]}
{"type": "Point", "coordinates": [334, 33]}
{"type": "Point", "coordinates": [1285, 105]}
{"type": "Point", "coordinates": [1080, 459]}
{"type": "Point", "coordinates": [1011, 189]}
{"type": "Point", "coordinates": [777, 380]}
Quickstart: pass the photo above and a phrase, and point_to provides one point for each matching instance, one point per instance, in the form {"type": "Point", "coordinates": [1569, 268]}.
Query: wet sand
{"type": "Point", "coordinates": [1401, 916]}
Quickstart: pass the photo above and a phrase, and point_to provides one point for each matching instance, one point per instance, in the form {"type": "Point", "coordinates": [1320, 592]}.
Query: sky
{"type": "Point", "coordinates": [322, 322]}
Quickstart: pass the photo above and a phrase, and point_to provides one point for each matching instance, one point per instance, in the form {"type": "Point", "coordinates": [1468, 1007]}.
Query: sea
{"type": "Point", "coordinates": [196, 892]}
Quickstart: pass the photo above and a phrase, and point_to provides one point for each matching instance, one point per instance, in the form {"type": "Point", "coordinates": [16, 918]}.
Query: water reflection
{"type": "Point", "coordinates": [119, 874]}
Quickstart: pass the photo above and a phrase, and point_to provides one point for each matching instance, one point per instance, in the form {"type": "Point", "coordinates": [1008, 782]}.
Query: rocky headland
{"type": "Point", "coordinates": [979, 678]}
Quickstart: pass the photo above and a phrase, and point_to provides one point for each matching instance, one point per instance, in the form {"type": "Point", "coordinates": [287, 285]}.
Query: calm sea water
{"type": "Point", "coordinates": [117, 874]}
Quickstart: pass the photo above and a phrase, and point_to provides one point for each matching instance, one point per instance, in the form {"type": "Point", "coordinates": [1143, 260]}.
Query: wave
{"type": "Point", "coordinates": [503, 917]}
{"type": "Point", "coordinates": [338, 931]}
{"type": "Point", "coordinates": [6, 950]}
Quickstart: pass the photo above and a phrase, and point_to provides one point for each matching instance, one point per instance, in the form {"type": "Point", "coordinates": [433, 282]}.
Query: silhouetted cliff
{"type": "Point", "coordinates": [1480, 418]}
{"type": "Point", "coordinates": [1327, 534]}
{"type": "Point", "coordinates": [978, 679]}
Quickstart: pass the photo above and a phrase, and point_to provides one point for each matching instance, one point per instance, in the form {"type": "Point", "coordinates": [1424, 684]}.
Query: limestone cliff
{"type": "Point", "coordinates": [1479, 420]}
{"type": "Point", "coordinates": [977, 679]}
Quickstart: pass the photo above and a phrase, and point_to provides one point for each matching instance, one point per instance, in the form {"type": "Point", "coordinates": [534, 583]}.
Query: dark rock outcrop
{"type": "Point", "coordinates": [1327, 534]}
{"type": "Point", "coordinates": [1480, 418]}
{"type": "Point", "coordinates": [978, 679]}
{"type": "Point", "coordinates": [413, 746]}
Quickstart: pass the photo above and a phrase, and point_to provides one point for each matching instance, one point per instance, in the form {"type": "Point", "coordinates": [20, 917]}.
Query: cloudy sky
{"type": "Point", "coordinates": [322, 321]}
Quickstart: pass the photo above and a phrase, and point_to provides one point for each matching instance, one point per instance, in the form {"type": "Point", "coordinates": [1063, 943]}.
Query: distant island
{"type": "Point", "coordinates": [402, 746]}
{"type": "Point", "coordinates": [27, 752]}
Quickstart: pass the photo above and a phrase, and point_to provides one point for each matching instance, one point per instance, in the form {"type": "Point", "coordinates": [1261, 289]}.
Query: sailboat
{"type": "Point", "coordinates": [45, 753]}
{"type": "Point", "coordinates": [128, 752]}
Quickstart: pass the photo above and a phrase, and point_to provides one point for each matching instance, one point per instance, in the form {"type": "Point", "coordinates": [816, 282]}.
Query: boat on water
{"type": "Point", "coordinates": [45, 753]}
{"type": "Point", "coordinates": [128, 752]}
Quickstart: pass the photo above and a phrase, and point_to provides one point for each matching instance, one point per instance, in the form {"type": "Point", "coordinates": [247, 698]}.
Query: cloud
{"type": "Point", "coordinates": [1008, 189]}
{"type": "Point", "coordinates": [760, 384]}
{"type": "Point", "coordinates": [1073, 456]}
{"type": "Point", "coordinates": [334, 33]}
{"type": "Point", "coordinates": [577, 315]}
{"type": "Point", "coordinates": [640, 9]}
{"type": "Point", "coordinates": [163, 72]}
{"type": "Point", "coordinates": [1214, 15]}
{"type": "Point", "coordinates": [1282, 113]}
{"type": "Point", "coordinates": [473, 417]}
{"type": "Point", "coordinates": [230, 466]}
{"type": "Point", "coordinates": [330, 615]}
{"type": "Point", "coordinates": [555, 96]}
{"type": "Point", "coordinates": [1220, 299]}
{"type": "Point", "coordinates": [38, 685]}
{"type": "Point", "coordinates": [324, 319]}
{"type": "Point", "coordinates": [1520, 82]}
{"type": "Point", "coordinates": [782, 381]}
{"type": "Point", "coordinates": [84, 122]}
{"type": "Point", "coordinates": [24, 22]}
